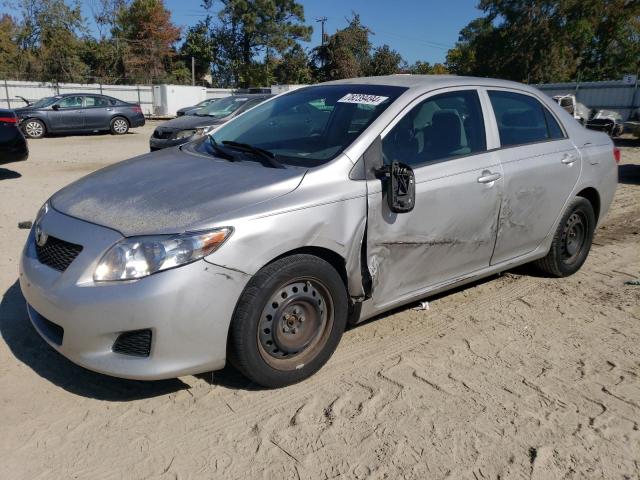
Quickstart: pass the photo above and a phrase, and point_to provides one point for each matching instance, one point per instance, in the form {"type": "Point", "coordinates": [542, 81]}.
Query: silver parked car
{"type": "Point", "coordinates": [320, 207]}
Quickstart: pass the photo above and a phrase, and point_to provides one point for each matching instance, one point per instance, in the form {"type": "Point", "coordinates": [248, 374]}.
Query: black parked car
{"type": "Point", "coordinates": [190, 110]}
{"type": "Point", "coordinates": [13, 146]}
{"type": "Point", "coordinates": [190, 127]}
{"type": "Point", "coordinates": [75, 112]}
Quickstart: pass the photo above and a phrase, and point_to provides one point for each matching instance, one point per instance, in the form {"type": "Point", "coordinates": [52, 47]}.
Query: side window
{"type": "Point", "coordinates": [70, 102]}
{"type": "Point", "coordinates": [444, 126]}
{"type": "Point", "coordinates": [96, 102]}
{"type": "Point", "coordinates": [522, 119]}
{"type": "Point", "coordinates": [555, 131]}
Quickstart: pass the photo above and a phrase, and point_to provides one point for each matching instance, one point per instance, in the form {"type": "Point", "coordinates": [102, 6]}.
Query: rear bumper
{"type": "Point", "coordinates": [137, 121]}
{"type": "Point", "coordinates": [14, 154]}
{"type": "Point", "coordinates": [187, 309]}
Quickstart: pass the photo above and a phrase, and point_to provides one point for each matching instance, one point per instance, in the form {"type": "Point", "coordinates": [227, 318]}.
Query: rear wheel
{"type": "Point", "coordinates": [572, 240]}
{"type": "Point", "coordinates": [34, 128]}
{"type": "Point", "coordinates": [119, 126]}
{"type": "Point", "coordinates": [288, 321]}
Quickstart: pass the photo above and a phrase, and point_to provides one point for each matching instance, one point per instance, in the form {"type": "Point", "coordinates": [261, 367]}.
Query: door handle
{"type": "Point", "coordinates": [568, 159]}
{"type": "Point", "coordinates": [488, 177]}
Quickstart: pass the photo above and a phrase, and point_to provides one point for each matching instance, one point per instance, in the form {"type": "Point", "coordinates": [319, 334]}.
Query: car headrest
{"type": "Point", "coordinates": [446, 127]}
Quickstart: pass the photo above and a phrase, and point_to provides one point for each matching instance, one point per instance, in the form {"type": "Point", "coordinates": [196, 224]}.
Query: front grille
{"type": "Point", "coordinates": [135, 342]}
{"type": "Point", "coordinates": [57, 253]}
{"type": "Point", "coordinates": [163, 134]}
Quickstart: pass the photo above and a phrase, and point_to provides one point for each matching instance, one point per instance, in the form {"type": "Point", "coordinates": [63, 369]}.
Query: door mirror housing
{"type": "Point", "coordinates": [55, 106]}
{"type": "Point", "coordinates": [399, 186]}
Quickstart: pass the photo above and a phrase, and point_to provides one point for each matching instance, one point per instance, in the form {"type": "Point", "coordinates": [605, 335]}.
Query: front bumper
{"type": "Point", "coordinates": [160, 143]}
{"type": "Point", "coordinates": [188, 309]}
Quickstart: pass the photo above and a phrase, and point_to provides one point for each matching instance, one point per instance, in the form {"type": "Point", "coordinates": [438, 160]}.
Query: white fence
{"type": "Point", "coordinates": [612, 95]}
{"type": "Point", "coordinates": [11, 90]}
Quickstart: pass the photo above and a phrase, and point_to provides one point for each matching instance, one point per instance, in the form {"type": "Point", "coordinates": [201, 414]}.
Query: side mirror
{"type": "Point", "coordinates": [399, 186]}
{"type": "Point", "coordinates": [56, 107]}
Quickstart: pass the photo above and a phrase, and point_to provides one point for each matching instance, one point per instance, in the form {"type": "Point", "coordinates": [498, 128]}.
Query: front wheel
{"type": "Point", "coordinates": [288, 321]}
{"type": "Point", "coordinates": [119, 126]}
{"type": "Point", "coordinates": [572, 240]}
{"type": "Point", "coordinates": [34, 128]}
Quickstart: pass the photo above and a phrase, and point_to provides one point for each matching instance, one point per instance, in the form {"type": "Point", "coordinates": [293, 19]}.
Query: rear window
{"type": "Point", "coordinates": [522, 119]}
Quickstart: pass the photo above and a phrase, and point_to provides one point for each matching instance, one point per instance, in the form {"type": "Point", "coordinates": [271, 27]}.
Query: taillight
{"type": "Point", "coordinates": [8, 120]}
{"type": "Point", "coordinates": [616, 154]}
{"type": "Point", "coordinates": [137, 108]}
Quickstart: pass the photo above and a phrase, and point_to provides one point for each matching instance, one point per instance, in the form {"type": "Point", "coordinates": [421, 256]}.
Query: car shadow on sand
{"type": "Point", "coordinates": [27, 346]}
{"type": "Point", "coordinates": [629, 174]}
{"type": "Point", "coordinates": [6, 174]}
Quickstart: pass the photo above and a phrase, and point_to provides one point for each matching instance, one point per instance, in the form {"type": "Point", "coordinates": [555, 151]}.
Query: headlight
{"type": "Point", "coordinates": [185, 134]}
{"type": "Point", "coordinates": [42, 212]}
{"type": "Point", "coordinates": [137, 257]}
{"type": "Point", "coordinates": [204, 130]}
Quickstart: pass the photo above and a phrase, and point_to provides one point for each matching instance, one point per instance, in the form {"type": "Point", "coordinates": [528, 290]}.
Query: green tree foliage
{"type": "Point", "coordinates": [550, 40]}
{"type": "Point", "coordinates": [293, 67]}
{"type": "Point", "coordinates": [346, 54]}
{"type": "Point", "coordinates": [384, 61]}
{"type": "Point", "coordinates": [9, 51]}
{"type": "Point", "coordinates": [49, 38]}
{"type": "Point", "coordinates": [251, 29]}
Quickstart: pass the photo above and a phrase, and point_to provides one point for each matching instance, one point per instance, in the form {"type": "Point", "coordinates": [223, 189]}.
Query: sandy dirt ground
{"type": "Point", "coordinates": [515, 377]}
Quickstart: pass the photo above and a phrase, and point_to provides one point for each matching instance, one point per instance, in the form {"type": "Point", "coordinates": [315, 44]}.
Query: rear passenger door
{"type": "Point", "coordinates": [541, 166]}
{"type": "Point", "coordinates": [97, 112]}
{"type": "Point", "coordinates": [451, 231]}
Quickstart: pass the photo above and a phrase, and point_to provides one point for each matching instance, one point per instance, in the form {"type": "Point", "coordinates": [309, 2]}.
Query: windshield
{"type": "Point", "coordinates": [45, 102]}
{"type": "Point", "coordinates": [222, 107]}
{"type": "Point", "coordinates": [311, 125]}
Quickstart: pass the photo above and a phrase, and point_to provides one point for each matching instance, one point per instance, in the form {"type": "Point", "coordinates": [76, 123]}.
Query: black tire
{"type": "Point", "coordinates": [572, 240]}
{"type": "Point", "coordinates": [119, 126]}
{"type": "Point", "coordinates": [288, 321]}
{"type": "Point", "coordinates": [34, 128]}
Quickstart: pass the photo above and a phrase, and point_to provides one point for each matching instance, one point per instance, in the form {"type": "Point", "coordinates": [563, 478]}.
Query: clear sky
{"type": "Point", "coordinates": [418, 29]}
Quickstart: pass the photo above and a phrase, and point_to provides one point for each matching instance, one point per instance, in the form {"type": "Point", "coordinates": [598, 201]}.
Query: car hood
{"type": "Point", "coordinates": [171, 191]}
{"type": "Point", "coordinates": [190, 121]}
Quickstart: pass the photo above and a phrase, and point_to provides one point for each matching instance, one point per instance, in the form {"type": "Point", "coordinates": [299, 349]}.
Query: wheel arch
{"type": "Point", "coordinates": [592, 195]}
{"type": "Point", "coordinates": [42, 119]}
{"type": "Point", "coordinates": [331, 257]}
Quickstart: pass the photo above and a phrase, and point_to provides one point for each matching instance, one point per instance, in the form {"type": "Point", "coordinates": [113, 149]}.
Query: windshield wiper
{"type": "Point", "coordinates": [266, 155]}
{"type": "Point", "coordinates": [221, 152]}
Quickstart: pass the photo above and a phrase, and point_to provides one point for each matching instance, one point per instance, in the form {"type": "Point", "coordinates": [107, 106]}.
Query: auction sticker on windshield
{"type": "Point", "coordinates": [362, 98]}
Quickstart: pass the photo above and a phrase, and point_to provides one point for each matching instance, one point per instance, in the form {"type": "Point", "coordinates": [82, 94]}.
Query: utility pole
{"type": "Point", "coordinates": [322, 21]}
{"type": "Point", "coordinates": [193, 71]}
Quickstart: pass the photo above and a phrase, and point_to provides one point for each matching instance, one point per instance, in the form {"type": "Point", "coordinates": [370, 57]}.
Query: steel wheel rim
{"type": "Point", "coordinates": [574, 237]}
{"type": "Point", "coordinates": [120, 126]}
{"type": "Point", "coordinates": [295, 323]}
{"type": "Point", "coordinates": [34, 129]}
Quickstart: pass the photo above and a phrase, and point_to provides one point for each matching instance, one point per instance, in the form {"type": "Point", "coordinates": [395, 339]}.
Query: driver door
{"type": "Point", "coordinates": [451, 230]}
{"type": "Point", "coordinates": [67, 114]}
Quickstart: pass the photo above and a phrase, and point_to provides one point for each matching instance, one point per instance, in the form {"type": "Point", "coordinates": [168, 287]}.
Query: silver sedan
{"type": "Point", "coordinates": [321, 207]}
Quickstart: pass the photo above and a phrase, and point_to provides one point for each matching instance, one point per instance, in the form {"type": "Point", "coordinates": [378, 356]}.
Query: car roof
{"type": "Point", "coordinates": [429, 82]}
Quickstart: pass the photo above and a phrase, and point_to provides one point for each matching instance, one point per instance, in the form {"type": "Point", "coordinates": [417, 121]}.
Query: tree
{"type": "Point", "coordinates": [293, 67]}
{"type": "Point", "coordinates": [346, 54]}
{"type": "Point", "coordinates": [198, 45]}
{"type": "Point", "coordinates": [252, 28]}
{"type": "Point", "coordinates": [143, 31]}
{"type": "Point", "coordinates": [550, 40]}
{"type": "Point", "coordinates": [49, 36]}
{"type": "Point", "coordinates": [384, 61]}
{"type": "Point", "coordinates": [9, 52]}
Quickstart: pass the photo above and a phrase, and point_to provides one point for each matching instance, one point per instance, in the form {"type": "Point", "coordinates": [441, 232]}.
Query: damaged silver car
{"type": "Point", "coordinates": [319, 208]}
